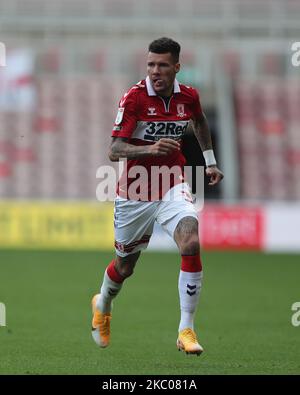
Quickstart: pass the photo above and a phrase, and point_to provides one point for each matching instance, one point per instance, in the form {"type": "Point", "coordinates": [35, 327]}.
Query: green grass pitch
{"type": "Point", "coordinates": [243, 320]}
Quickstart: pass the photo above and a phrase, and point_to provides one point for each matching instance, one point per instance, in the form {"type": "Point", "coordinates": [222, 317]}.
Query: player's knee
{"type": "Point", "coordinates": [190, 246]}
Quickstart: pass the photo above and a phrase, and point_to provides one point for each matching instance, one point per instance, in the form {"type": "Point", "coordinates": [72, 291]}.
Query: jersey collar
{"type": "Point", "coordinates": [151, 91]}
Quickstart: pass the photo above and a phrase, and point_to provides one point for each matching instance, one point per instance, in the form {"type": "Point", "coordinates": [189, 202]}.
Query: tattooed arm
{"type": "Point", "coordinates": [120, 148]}
{"type": "Point", "coordinates": [202, 133]}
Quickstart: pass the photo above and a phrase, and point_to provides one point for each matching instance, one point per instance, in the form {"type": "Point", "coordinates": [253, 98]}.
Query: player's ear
{"type": "Point", "coordinates": [177, 67]}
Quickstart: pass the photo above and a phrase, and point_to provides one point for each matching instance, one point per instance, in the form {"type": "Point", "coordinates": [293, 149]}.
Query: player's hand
{"type": "Point", "coordinates": [164, 146]}
{"type": "Point", "coordinates": [215, 175]}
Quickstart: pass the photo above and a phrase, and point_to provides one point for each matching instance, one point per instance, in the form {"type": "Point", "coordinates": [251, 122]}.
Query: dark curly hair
{"type": "Point", "coordinates": [165, 45]}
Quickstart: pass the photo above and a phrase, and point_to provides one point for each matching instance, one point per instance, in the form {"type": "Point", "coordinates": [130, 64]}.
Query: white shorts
{"type": "Point", "coordinates": [134, 220]}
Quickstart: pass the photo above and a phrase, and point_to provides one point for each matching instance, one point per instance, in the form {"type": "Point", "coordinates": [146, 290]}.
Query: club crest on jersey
{"type": "Point", "coordinates": [152, 111]}
{"type": "Point", "coordinates": [119, 116]}
{"type": "Point", "coordinates": [180, 110]}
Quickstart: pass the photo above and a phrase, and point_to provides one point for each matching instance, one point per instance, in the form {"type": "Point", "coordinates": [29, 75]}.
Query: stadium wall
{"type": "Point", "coordinates": [88, 225]}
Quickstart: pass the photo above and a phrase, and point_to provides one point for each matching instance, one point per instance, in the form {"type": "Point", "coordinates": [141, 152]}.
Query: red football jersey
{"type": "Point", "coordinates": [144, 118]}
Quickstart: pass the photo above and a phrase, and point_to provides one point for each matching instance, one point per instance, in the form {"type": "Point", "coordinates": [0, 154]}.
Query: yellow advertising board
{"type": "Point", "coordinates": [70, 225]}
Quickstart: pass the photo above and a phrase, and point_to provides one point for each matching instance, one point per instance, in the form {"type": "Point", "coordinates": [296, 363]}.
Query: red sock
{"type": "Point", "coordinates": [113, 274]}
{"type": "Point", "coordinates": [191, 263]}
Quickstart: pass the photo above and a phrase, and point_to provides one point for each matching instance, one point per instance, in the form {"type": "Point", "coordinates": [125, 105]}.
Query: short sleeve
{"type": "Point", "coordinates": [126, 119]}
{"type": "Point", "coordinates": [197, 108]}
